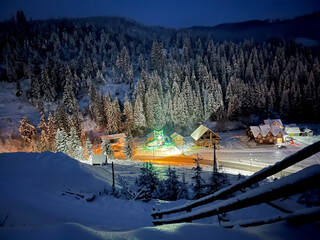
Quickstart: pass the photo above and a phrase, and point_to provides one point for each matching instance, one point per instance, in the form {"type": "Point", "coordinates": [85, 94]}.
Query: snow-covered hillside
{"type": "Point", "coordinates": [48, 196]}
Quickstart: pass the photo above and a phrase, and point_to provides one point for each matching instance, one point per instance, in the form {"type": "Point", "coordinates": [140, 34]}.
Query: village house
{"type": "Point", "coordinates": [117, 140]}
{"type": "Point", "coordinates": [273, 122]}
{"type": "Point", "coordinates": [293, 131]}
{"type": "Point", "coordinates": [177, 139]}
{"type": "Point", "coordinates": [205, 137]}
{"type": "Point", "coordinates": [266, 134]}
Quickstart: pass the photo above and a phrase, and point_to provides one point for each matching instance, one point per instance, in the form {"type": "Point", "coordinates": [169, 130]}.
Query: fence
{"type": "Point", "coordinates": [301, 181]}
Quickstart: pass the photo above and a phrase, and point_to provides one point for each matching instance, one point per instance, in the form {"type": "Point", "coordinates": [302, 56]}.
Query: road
{"type": "Point", "coordinates": [232, 153]}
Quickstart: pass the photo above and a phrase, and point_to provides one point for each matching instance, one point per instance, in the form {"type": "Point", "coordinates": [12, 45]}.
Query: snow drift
{"type": "Point", "coordinates": [41, 188]}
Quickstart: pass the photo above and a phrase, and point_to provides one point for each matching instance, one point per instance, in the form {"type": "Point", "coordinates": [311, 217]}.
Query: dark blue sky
{"type": "Point", "coordinates": [170, 13]}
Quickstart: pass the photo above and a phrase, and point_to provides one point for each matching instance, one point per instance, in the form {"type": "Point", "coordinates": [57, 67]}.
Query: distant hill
{"type": "Point", "coordinates": [304, 28]}
{"type": "Point", "coordinates": [300, 27]}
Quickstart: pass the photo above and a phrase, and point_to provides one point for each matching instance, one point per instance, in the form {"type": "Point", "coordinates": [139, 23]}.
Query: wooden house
{"type": "Point", "coordinates": [205, 137]}
{"type": "Point", "coordinates": [150, 137]}
{"type": "Point", "coordinates": [254, 132]}
{"type": "Point", "coordinates": [177, 139]}
{"type": "Point", "coordinates": [273, 122]}
{"type": "Point", "coordinates": [277, 134]}
{"type": "Point", "coordinates": [266, 134]}
{"type": "Point", "coordinates": [114, 138]}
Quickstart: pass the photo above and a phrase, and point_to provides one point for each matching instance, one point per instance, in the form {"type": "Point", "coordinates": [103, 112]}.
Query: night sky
{"type": "Point", "coordinates": [169, 13]}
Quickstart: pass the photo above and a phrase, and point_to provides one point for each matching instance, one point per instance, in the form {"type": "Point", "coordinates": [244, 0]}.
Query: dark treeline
{"type": "Point", "coordinates": [175, 79]}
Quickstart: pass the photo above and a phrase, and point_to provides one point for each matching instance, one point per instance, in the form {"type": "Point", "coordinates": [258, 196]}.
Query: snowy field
{"type": "Point", "coordinates": [49, 196]}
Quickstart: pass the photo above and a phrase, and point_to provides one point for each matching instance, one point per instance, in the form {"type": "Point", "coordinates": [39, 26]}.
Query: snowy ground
{"type": "Point", "coordinates": [234, 153]}
{"type": "Point", "coordinates": [12, 108]}
{"type": "Point", "coordinates": [44, 197]}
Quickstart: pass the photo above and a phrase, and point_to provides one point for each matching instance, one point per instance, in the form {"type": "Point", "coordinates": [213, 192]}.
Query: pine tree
{"type": "Point", "coordinates": [157, 57]}
{"type": "Point", "coordinates": [61, 117]}
{"type": "Point", "coordinates": [285, 105]}
{"type": "Point", "coordinates": [62, 141]}
{"type": "Point", "coordinates": [128, 146]}
{"type": "Point", "coordinates": [51, 133]}
{"type": "Point", "coordinates": [77, 121]}
{"type": "Point", "coordinates": [74, 142]}
{"type": "Point", "coordinates": [69, 98]}
{"type": "Point", "coordinates": [138, 114]}
{"type": "Point", "coordinates": [27, 131]}
{"type": "Point", "coordinates": [172, 185]}
{"type": "Point", "coordinates": [44, 134]}
{"type": "Point", "coordinates": [78, 154]}
{"type": "Point", "coordinates": [183, 192]}
{"type": "Point", "coordinates": [89, 148]}
{"type": "Point", "coordinates": [158, 113]}
{"type": "Point", "coordinates": [106, 148]}
{"type": "Point", "coordinates": [148, 179]}
{"type": "Point", "coordinates": [217, 181]}
{"type": "Point", "coordinates": [128, 113]}
{"type": "Point", "coordinates": [113, 114]}
{"type": "Point", "coordinates": [233, 108]}
{"type": "Point", "coordinates": [199, 183]}
{"type": "Point", "coordinates": [125, 66]}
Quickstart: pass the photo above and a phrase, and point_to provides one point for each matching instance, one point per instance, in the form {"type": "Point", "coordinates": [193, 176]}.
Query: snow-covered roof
{"type": "Point", "coordinates": [98, 159]}
{"type": "Point", "coordinates": [307, 130]}
{"type": "Point", "coordinates": [265, 129]}
{"type": "Point", "coordinates": [115, 136]}
{"type": "Point", "coordinates": [275, 129]}
{"type": "Point", "coordinates": [174, 135]}
{"type": "Point", "coordinates": [293, 130]}
{"type": "Point", "coordinates": [272, 121]}
{"type": "Point", "coordinates": [200, 131]}
{"type": "Point", "coordinates": [255, 131]}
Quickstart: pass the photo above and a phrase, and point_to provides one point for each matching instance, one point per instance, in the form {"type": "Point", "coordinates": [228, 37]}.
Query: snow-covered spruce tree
{"type": "Point", "coordinates": [199, 183]}
{"type": "Point", "coordinates": [138, 114]}
{"type": "Point", "coordinates": [217, 181]}
{"type": "Point", "coordinates": [89, 149]}
{"type": "Point", "coordinates": [159, 120]}
{"type": "Point", "coordinates": [69, 98]}
{"type": "Point", "coordinates": [51, 133]}
{"type": "Point", "coordinates": [47, 86]}
{"type": "Point", "coordinates": [44, 134]}
{"type": "Point", "coordinates": [124, 65]}
{"type": "Point", "coordinates": [148, 179]}
{"type": "Point", "coordinates": [125, 191]}
{"type": "Point", "coordinates": [106, 148]}
{"type": "Point", "coordinates": [61, 117]}
{"type": "Point", "coordinates": [74, 142]}
{"type": "Point", "coordinates": [128, 146]}
{"type": "Point", "coordinates": [172, 185]}
{"type": "Point", "coordinates": [77, 121]}
{"type": "Point", "coordinates": [27, 131]}
{"type": "Point", "coordinates": [128, 114]}
{"type": "Point", "coordinates": [183, 192]}
{"type": "Point", "coordinates": [113, 115]}
{"type": "Point", "coordinates": [62, 141]}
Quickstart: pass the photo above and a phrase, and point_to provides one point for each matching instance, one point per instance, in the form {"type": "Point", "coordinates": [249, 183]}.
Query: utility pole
{"type": "Point", "coordinates": [112, 177]}
{"type": "Point", "coordinates": [215, 167]}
